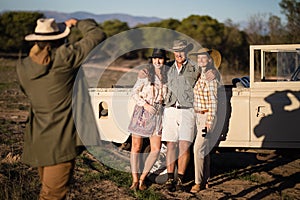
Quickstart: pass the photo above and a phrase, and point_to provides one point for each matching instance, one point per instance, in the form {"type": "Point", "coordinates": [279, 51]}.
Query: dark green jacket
{"type": "Point", "coordinates": [51, 136]}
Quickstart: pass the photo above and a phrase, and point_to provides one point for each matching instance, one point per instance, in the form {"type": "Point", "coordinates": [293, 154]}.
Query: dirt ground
{"type": "Point", "coordinates": [236, 174]}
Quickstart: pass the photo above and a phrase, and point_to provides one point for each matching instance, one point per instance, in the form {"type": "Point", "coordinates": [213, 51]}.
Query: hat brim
{"type": "Point", "coordinates": [188, 48]}
{"type": "Point", "coordinates": [65, 31]}
{"type": "Point", "coordinates": [214, 54]}
{"type": "Point", "coordinates": [166, 58]}
{"type": "Point", "coordinates": [201, 51]}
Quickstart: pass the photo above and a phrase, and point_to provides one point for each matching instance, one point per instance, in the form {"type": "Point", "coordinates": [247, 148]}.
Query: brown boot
{"type": "Point", "coordinates": [179, 185]}
{"type": "Point", "coordinates": [170, 185]}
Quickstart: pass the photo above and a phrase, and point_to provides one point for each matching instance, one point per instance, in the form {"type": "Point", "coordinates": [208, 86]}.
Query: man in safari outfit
{"type": "Point", "coordinates": [47, 77]}
{"type": "Point", "coordinates": [179, 120]}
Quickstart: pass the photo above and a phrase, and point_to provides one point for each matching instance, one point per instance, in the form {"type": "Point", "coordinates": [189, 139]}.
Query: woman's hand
{"type": "Point", "coordinates": [208, 126]}
{"type": "Point", "coordinates": [150, 108]}
{"type": "Point", "coordinates": [210, 75]}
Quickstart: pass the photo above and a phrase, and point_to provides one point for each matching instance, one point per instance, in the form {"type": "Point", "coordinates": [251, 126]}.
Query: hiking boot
{"type": "Point", "coordinates": [179, 185]}
{"type": "Point", "coordinates": [170, 185]}
{"type": "Point", "coordinates": [196, 188]}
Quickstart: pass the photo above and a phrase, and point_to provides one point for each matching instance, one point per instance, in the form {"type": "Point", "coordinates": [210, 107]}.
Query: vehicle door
{"type": "Point", "coordinates": [275, 97]}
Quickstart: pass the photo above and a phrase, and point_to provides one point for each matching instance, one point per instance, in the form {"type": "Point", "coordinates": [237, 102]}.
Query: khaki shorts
{"type": "Point", "coordinates": [178, 124]}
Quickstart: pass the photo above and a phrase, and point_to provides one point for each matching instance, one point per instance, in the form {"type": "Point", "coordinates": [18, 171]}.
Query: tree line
{"type": "Point", "coordinates": [209, 32]}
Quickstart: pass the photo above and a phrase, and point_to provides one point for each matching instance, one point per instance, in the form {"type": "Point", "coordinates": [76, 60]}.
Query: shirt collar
{"type": "Point", "coordinates": [179, 70]}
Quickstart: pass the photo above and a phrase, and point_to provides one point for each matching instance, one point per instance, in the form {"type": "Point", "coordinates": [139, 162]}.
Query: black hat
{"type": "Point", "coordinates": [159, 53]}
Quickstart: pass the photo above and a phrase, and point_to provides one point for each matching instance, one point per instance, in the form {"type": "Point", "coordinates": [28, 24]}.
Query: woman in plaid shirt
{"type": "Point", "coordinates": [205, 106]}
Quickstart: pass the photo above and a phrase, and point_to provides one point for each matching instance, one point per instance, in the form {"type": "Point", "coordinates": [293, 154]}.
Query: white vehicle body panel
{"type": "Point", "coordinates": [265, 115]}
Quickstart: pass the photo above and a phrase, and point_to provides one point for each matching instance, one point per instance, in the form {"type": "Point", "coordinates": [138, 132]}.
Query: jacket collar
{"type": "Point", "coordinates": [34, 70]}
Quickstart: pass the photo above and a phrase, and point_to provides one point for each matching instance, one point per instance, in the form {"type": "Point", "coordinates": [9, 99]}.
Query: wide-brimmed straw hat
{"type": "Point", "coordinates": [214, 54]}
{"type": "Point", "coordinates": [48, 29]}
{"type": "Point", "coordinates": [182, 45]}
{"type": "Point", "coordinates": [159, 53]}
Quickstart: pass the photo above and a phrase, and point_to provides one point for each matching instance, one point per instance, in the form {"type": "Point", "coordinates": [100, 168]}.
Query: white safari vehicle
{"type": "Point", "coordinates": [261, 113]}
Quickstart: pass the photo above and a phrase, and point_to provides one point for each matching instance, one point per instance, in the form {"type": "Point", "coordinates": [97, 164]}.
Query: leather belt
{"type": "Point", "coordinates": [180, 107]}
{"type": "Point", "coordinates": [201, 112]}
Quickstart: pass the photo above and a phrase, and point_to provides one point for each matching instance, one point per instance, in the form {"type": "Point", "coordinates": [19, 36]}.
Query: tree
{"type": "Point", "coordinates": [257, 29]}
{"type": "Point", "coordinates": [276, 30]}
{"type": "Point", "coordinates": [235, 48]}
{"type": "Point", "coordinates": [167, 23]}
{"type": "Point", "coordinates": [227, 38]}
{"type": "Point", "coordinates": [291, 9]}
{"type": "Point", "coordinates": [116, 45]}
{"type": "Point", "coordinates": [159, 38]}
{"type": "Point", "coordinates": [13, 28]}
{"type": "Point", "coordinates": [204, 29]}
{"type": "Point", "coordinates": [113, 27]}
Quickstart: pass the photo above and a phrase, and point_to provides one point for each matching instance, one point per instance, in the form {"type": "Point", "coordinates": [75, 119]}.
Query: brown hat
{"type": "Point", "coordinates": [159, 53]}
{"type": "Point", "coordinates": [214, 54]}
{"type": "Point", "coordinates": [182, 45]}
{"type": "Point", "coordinates": [48, 29]}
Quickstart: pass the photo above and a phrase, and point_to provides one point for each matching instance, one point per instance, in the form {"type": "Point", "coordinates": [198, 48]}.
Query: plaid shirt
{"type": "Point", "coordinates": [205, 97]}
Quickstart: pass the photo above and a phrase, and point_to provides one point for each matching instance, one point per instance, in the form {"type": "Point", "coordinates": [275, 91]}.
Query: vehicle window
{"type": "Point", "coordinates": [278, 66]}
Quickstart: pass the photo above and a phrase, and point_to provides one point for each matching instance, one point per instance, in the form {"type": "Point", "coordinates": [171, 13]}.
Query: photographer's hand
{"type": "Point", "coordinates": [71, 22]}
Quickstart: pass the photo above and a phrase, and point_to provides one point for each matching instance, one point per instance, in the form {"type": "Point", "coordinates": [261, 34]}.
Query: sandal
{"type": "Point", "coordinates": [207, 185]}
{"type": "Point", "coordinates": [196, 188]}
{"type": "Point", "coordinates": [142, 185]}
{"type": "Point", "coordinates": [134, 186]}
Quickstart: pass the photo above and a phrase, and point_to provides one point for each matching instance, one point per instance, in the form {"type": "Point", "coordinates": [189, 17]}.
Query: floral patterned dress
{"type": "Point", "coordinates": [154, 94]}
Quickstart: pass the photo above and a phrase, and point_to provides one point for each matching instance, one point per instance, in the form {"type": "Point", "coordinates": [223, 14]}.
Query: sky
{"type": "Point", "coordinates": [236, 10]}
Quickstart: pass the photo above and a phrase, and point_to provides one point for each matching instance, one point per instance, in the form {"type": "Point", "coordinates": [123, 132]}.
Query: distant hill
{"type": "Point", "coordinates": [131, 20]}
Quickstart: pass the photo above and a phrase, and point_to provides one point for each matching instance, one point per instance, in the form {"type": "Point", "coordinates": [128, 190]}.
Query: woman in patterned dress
{"type": "Point", "coordinates": [149, 92]}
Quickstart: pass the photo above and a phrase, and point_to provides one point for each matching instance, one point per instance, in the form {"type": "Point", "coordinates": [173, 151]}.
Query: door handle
{"type": "Point", "coordinates": [259, 111]}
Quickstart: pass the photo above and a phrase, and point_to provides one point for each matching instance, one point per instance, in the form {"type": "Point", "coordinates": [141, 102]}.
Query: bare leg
{"type": "Point", "coordinates": [136, 147]}
{"type": "Point", "coordinates": [183, 156]}
{"type": "Point", "coordinates": [171, 156]}
{"type": "Point", "coordinates": [155, 144]}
